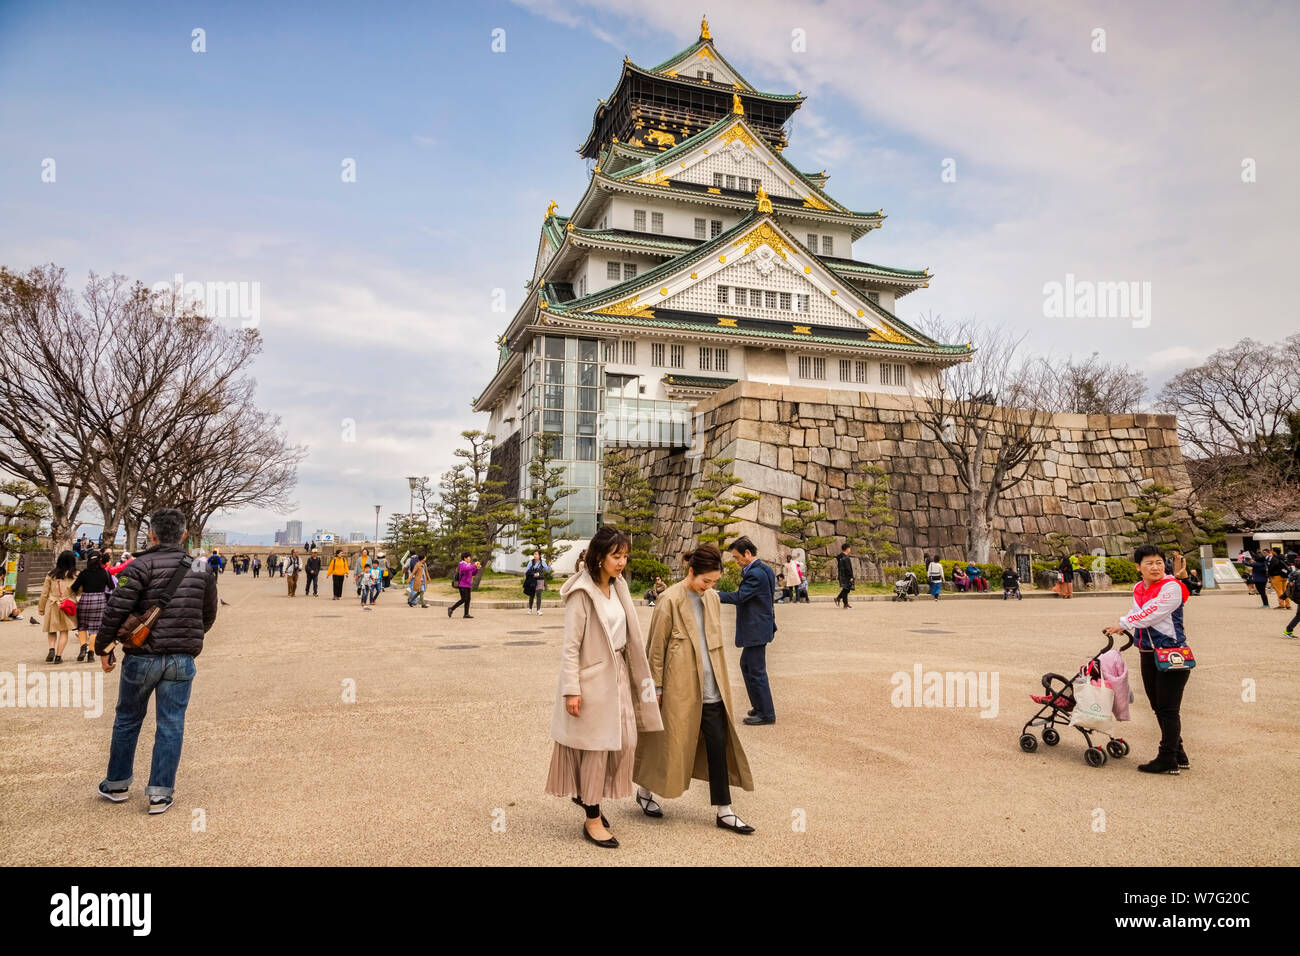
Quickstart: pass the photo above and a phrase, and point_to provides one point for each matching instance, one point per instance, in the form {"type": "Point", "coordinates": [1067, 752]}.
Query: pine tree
{"type": "Point", "coordinates": [800, 527]}
{"type": "Point", "coordinates": [629, 505]}
{"type": "Point", "coordinates": [540, 519]}
{"type": "Point", "coordinates": [490, 515]}
{"type": "Point", "coordinates": [1151, 513]}
{"type": "Point", "coordinates": [714, 509]}
{"type": "Point", "coordinates": [872, 524]}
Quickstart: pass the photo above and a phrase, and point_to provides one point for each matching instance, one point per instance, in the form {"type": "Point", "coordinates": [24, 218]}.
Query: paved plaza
{"type": "Point", "coordinates": [442, 757]}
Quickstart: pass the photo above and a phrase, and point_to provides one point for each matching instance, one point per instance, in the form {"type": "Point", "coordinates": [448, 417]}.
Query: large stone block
{"type": "Point", "coordinates": [770, 480]}
{"type": "Point", "coordinates": [784, 459]}
{"type": "Point", "coordinates": [767, 410]}
{"type": "Point", "coordinates": [826, 436]}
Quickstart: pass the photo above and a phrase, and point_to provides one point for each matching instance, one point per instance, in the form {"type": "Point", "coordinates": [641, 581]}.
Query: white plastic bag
{"type": "Point", "coordinates": [1093, 704]}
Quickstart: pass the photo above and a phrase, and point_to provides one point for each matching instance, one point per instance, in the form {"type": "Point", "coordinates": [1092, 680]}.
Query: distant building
{"type": "Point", "coordinates": [293, 532]}
{"type": "Point", "coordinates": [326, 537]}
{"type": "Point", "coordinates": [358, 536]}
{"type": "Point", "coordinates": [280, 538]}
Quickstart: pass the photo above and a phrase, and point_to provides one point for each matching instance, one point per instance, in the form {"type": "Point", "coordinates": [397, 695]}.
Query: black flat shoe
{"type": "Point", "coordinates": [645, 803]}
{"type": "Point", "coordinates": [756, 721]}
{"type": "Point", "coordinates": [603, 821]}
{"type": "Point", "coordinates": [752, 713]}
{"type": "Point", "coordinates": [610, 844]}
{"type": "Point", "coordinates": [743, 828]}
{"type": "Point", "coordinates": [49, 658]}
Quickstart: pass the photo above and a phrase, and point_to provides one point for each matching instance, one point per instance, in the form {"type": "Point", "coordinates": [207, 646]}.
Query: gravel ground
{"type": "Point", "coordinates": [442, 757]}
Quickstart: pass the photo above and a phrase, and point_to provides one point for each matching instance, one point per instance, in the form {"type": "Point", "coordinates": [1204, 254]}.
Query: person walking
{"type": "Point", "coordinates": [1259, 576]}
{"type": "Point", "coordinates": [312, 568]}
{"type": "Point", "coordinates": [367, 578]}
{"type": "Point", "coordinates": [338, 572]}
{"type": "Point", "coordinates": [91, 588]}
{"type": "Point", "coordinates": [1293, 591]}
{"type": "Point", "coordinates": [257, 566]}
{"type": "Point", "coordinates": [292, 565]}
{"type": "Point", "coordinates": [790, 580]}
{"type": "Point", "coordinates": [844, 572]}
{"type": "Point", "coordinates": [163, 666]}
{"type": "Point", "coordinates": [535, 580]}
{"type": "Point", "coordinates": [360, 566]}
{"type": "Point", "coordinates": [214, 562]}
{"type": "Point", "coordinates": [1156, 621]}
{"type": "Point", "coordinates": [603, 686]}
{"type": "Point", "coordinates": [418, 580]}
{"type": "Point", "coordinates": [688, 667]}
{"type": "Point", "coordinates": [57, 606]}
{"type": "Point", "coordinates": [934, 574]}
{"type": "Point", "coordinates": [1277, 574]}
{"type": "Point", "coordinates": [755, 627]}
{"type": "Point", "coordinates": [465, 572]}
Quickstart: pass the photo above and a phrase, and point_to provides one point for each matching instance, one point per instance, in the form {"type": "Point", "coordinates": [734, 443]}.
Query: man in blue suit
{"type": "Point", "coordinates": [755, 627]}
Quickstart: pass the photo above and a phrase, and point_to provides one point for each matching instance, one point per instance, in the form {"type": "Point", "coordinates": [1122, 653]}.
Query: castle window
{"type": "Point", "coordinates": [701, 229]}
{"type": "Point", "coordinates": [722, 294]}
{"type": "Point", "coordinates": [715, 228]}
{"type": "Point", "coordinates": [719, 360]}
{"type": "Point", "coordinates": [610, 350]}
{"type": "Point", "coordinates": [860, 373]}
{"type": "Point", "coordinates": [706, 359]}
{"type": "Point", "coordinates": [893, 374]}
{"type": "Point", "coordinates": [717, 180]}
{"type": "Point", "coordinates": [846, 370]}
{"type": "Point", "coordinates": [770, 300]}
{"type": "Point", "coordinates": [677, 356]}
{"type": "Point", "coordinates": [785, 301]}
{"type": "Point", "coordinates": [657, 351]}
{"type": "Point", "coordinates": [812, 243]}
{"type": "Point", "coordinates": [629, 270]}
{"type": "Point", "coordinates": [629, 353]}
{"type": "Point", "coordinates": [731, 182]}
{"type": "Point", "coordinates": [657, 222]}
{"type": "Point", "coordinates": [800, 302]}
{"type": "Point", "coordinates": [812, 369]}
{"type": "Point", "coordinates": [828, 245]}
{"type": "Point", "coordinates": [613, 271]}
{"type": "Point", "coordinates": [638, 220]}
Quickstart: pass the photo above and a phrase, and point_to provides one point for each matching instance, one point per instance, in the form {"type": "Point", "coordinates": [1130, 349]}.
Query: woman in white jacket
{"type": "Point", "coordinates": [934, 574]}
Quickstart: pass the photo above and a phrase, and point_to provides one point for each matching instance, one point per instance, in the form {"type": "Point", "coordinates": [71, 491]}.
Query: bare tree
{"type": "Point", "coordinates": [41, 394]}
{"type": "Point", "coordinates": [1090, 386]}
{"type": "Point", "coordinates": [987, 415]}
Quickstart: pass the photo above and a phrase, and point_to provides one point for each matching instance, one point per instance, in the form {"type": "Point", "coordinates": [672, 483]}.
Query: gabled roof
{"type": "Point", "coordinates": [705, 41]}
{"type": "Point", "coordinates": [625, 298]}
{"type": "Point", "coordinates": [657, 165]}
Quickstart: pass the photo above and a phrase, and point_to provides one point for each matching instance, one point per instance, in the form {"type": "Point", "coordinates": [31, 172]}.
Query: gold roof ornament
{"type": "Point", "coordinates": [764, 204]}
{"type": "Point", "coordinates": [736, 106]}
{"type": "Point", "coordinates": [704, 29]}
{"type": "Point", "coordinates": [569, 227]}
{"type": "Point", "coordinates": [550, 209]}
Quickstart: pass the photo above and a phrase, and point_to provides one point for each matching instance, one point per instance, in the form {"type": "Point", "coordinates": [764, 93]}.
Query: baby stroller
{"type": "Point", "coordinates": [1056, 706]}
{"type": "Point", "coordinates": [905, 588]}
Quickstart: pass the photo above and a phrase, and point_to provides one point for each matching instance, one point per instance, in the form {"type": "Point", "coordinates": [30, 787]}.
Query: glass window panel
{"type": "Point", "coordinates": [586, 450]}
{"type": "Point", "coordinates": [553, 420]}
{"type": "Point", "coordinates": [586, 423]}
{"type": "Point", "coordinates": [570, 396]}
{"type": "Point", "coordinates": [613, 271]}
{"type": "Point", "coordinates": [554, 373]}
{"type": "Point", "coordinates": [554, 347]}
{"type": "Point", "coordinates": [588, 350]}
{"type": "Point", "coordinates": [554, 396]}
{"type": "Point", "coordinates": [584, 474]}
{"type": "Point", "coordinates": [588, 399]}
{"type": "Point", "coordinates": [570, 422]}
{"type": "Point", "coordinates": [587, 374]}
{"type": "Point", "coordinates": [629, 270]}
{"type": "Point", "coordinates": [570, 447]}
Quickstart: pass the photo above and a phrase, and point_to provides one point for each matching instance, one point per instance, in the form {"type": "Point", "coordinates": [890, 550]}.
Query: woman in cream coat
{"type": "Point", "coordinates": [690, 674]}
{"type": "Point", "coordinates": [605, 690]}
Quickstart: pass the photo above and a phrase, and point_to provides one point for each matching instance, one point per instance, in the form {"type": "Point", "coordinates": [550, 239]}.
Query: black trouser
{"type": "Point", "coordinates": [338, 584]}
{"type": "Point", "coordinates": [1165, 691]}
{"type": "Point", "coordinates": [1295, 620]}
{"type": "Point", "coordinates": [1262, 588]}
{"type": "Point", "coordinates": [713, 725]}
{"type": "Point", "coordinates": [843, 596]}
{"type": "Point", "coordinates": [255, 570]}
{"type": "Point", "coordinates": [533, 596]}
{"type": "Point", "coordinates": [464, 599]}
{"type": "Point", "coordinates": [312, 586]}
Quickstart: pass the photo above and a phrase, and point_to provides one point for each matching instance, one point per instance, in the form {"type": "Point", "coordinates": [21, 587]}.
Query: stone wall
{"type": "Point", "coordinates": [792, 442]}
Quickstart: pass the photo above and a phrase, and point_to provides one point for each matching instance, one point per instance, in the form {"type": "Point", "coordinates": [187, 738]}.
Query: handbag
{"type": "Point", "coordinates": [1175, 658]}
{"type": "Point", "coordinates": [68, 606]}
{"type": "Point", "coordinates": [135, 629]}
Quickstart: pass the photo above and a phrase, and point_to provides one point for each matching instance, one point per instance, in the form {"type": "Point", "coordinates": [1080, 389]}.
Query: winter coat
{"type": "Point", "coordinates": [181, 626]}
{"type": "Point", "coordinates": [535, 576]}
{"type": "Point", "coordinates": [587, 667]}
{"type": "Point", "coordinates": [844, 569]}
{"type": "Point", "coordinates": [755, 619]}
{"type": "Point", "coordinates": [419, 576]}
{"type": "Point", "coordinates": [53, 617]}
{"type": "Point", "coordinates": [465, 572]}
{"type": "Point", "coordinates": [338, 565]}
{"type": "Point", "coordinates": [667, 762]}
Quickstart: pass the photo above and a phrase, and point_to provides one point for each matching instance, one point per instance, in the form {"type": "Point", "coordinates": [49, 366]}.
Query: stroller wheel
{"type": "Point", "coordinates": [1028, 743]}
{"type": "Point", "coordinates": [1118, 747]}
{"type": "Point", "coordinates": [1051, 737]}
{"type": "Point", "coordinates": [1094, 756]}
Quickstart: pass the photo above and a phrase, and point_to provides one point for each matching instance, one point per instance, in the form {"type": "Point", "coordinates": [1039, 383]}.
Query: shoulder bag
{"type": "Point", "coordinates": [135, 629]}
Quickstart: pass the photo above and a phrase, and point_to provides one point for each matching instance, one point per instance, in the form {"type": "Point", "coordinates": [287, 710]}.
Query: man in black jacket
{"type": "Point", "coordinates": [844, 571]}
{"type": "Point", "coordinates": [313, 575]}
{"type": "Point", "coordinates": [163, 663]}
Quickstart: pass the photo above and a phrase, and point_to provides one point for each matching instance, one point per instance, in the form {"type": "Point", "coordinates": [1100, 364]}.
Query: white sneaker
{"type": "Point", "coordinates": [539, 612]}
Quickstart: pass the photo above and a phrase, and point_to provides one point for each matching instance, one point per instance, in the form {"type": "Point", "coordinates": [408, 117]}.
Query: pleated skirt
{"type": "Point", "coordinates": [90, 611]}
{"type": "Point", "coordinates": [596, 775]}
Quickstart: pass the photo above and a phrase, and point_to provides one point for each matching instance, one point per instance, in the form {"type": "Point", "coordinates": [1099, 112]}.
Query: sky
{"type": "Point", "coordinates": [1011, 144]}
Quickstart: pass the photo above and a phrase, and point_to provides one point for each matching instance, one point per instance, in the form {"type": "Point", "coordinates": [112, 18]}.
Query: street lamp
{"type": "Point", "coordinates": [376, 528]}
{"type": "Point", "coordinates": [414, 482]}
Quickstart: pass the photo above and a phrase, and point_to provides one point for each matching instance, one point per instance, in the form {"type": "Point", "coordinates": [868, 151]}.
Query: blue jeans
{"type": "Point", "coordinates": [171, 676]}
{"type": "Point", "coordinates": [753, 666]}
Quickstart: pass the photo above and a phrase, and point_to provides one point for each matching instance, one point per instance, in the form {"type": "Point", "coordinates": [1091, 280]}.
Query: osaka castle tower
{"type": "Point", "coordinates": [697, 255]}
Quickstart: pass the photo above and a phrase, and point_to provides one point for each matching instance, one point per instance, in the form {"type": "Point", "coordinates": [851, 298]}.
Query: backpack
{"type": "Point", "coordinates": [1293, 584]}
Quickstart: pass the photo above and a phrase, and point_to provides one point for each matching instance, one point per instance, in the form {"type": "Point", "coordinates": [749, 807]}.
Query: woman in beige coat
{"type": "Point", "coordinates": [57, 588]}
{"type": "Point", "coordinates": [603, 670]}
{"type": "Point", "coordinates": [690, 676]}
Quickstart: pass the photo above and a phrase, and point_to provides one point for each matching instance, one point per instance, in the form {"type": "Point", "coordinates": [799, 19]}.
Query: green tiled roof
{"type": "Point", "coordinates": [650, 240]}
{"type": "Point", "coordinates": [762, 333]}
{"type": "Point", "coordinates": [698, 381]}
{"type": "Point", "coordinates": [870, 268]}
